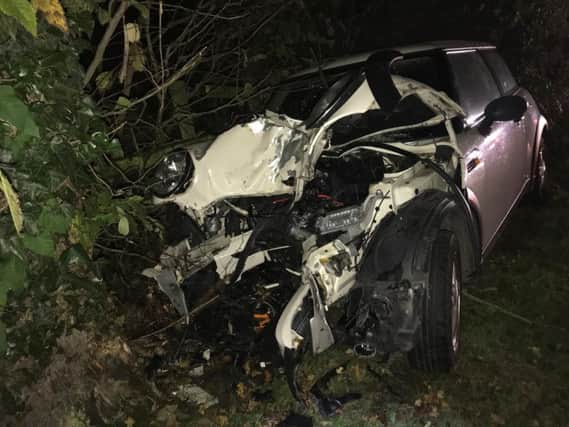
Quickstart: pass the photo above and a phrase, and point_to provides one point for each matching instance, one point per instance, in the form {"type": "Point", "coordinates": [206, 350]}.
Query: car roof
{"type": "Point", "coordinates": [440, 45]}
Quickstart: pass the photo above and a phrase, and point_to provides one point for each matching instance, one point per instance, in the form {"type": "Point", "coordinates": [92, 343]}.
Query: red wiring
{"type": "Point", "coordinates": [282, 200]}
{"type": "Point", "coordinates": [331, 199]}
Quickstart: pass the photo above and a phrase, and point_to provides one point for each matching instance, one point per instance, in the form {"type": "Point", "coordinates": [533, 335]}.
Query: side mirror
{"type": "Point", "coordinates": [505, 109]}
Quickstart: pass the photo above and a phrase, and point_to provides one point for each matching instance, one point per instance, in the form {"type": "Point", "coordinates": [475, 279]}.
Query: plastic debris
{"type": "Point", "coordinates": [198, 396]}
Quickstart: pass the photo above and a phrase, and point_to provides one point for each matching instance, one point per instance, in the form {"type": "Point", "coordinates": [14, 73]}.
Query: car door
{"type": "Point", "coordinates": [508, 86]}
{"type": "Point", "coordinates": [494, 154]}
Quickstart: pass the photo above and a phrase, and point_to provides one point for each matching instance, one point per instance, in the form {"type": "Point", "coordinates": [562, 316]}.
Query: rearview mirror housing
{"type": "Point", "coordinates": [506, 108]}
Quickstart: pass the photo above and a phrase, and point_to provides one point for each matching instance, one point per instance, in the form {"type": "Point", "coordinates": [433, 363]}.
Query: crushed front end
{"type": "Point", "coordinates": [295, 206]}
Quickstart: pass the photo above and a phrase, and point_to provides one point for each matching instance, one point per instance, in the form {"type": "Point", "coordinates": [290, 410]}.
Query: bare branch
{"type": "Point", "coordinates": [100, 52]}
{"type": "Point", "coordinates": [175, 77]}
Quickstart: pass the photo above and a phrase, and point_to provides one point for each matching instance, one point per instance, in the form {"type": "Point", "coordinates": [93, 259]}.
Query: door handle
{"type": "Point", "coordinates": [472, 163]}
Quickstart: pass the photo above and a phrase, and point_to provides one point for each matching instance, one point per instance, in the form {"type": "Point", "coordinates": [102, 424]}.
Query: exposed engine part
{"type": "Point", "coordinates": [339, 219]}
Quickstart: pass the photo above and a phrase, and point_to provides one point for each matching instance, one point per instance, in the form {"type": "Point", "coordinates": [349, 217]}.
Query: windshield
{"type": "Point", "coordinates": [310, 97]}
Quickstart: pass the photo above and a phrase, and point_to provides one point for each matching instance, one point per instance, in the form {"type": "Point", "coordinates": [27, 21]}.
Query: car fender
{"type": "Point", "coordinates": [401, 243]}
{"type": "Point", "coordinates": [541, 129]}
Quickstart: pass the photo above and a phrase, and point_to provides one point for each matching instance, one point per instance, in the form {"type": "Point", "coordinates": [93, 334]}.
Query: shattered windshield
{"type": "Point", "coordinates": [307, 98]}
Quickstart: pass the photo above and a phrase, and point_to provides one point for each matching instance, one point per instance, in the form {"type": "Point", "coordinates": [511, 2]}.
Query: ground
{"type": "Point", "coordinates": [79, 359]}
{"type": "Point", "coordinates": [514, 364]}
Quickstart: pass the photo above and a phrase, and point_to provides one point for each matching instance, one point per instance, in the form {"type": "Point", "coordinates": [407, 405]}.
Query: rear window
{"type": "Point", "coordinates": [474, 84]}
{"type": "Point", "coordinates": [501, 72]}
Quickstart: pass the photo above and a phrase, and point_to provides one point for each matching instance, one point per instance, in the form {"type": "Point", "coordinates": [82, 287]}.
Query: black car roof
{"type": "Point", "coordinates": [359, 58]}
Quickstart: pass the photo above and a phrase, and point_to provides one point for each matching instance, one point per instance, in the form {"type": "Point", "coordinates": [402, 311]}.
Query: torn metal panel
{"type": "Point", "coordinates": [285, 333]}
{"type": "Point", "coordinates": [168, 283]}
{"type": "Point", "coordinates": [259, 158]}
{"type": "Point", "coordinates": [322, 337]}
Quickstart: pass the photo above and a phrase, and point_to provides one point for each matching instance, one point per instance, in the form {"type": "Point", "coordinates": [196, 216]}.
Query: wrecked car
{"type": "Point", "coordinates": [367, 194]}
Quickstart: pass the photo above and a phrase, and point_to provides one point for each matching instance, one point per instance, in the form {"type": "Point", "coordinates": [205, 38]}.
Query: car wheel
{"type": "Point", "coordinates": [438, 341]}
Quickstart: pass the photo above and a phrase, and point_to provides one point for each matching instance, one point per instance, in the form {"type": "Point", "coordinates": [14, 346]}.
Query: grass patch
{"type": "Point", "coordinates": [510, 372]}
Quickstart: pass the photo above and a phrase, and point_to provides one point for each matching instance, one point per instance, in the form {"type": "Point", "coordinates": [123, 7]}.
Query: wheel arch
{"type": "Point", "coordinates": [542, 127]}
{"type": "Point", "coordinates": [405, 239]}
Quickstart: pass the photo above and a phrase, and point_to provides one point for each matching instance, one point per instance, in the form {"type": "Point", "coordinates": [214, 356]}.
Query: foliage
{"type": "Point", "coordinates": [23, 11]}
{"type": "Point", "coordinates": [54, 162]}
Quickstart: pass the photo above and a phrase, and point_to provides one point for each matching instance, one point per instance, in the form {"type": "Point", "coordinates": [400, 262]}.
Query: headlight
{"type": "Point", "coordinates": [172, 174]}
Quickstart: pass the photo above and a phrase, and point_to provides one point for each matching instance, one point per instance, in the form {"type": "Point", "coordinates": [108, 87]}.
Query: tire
{"type": "Point", "coordinates": [438, 340]}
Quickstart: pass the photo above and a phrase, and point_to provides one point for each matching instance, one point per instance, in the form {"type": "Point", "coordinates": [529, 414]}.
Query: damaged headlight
{"type": "Point", "coordinates": [172, 174]}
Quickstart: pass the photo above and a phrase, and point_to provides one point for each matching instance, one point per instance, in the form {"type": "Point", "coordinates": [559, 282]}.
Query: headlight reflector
{"type": "Point", "coordinates": [172, 174]}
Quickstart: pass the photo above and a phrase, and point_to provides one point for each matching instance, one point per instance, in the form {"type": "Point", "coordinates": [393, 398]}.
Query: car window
{"type": "Point", "coordinates": [424, 69]}
{"type": "Point", "coordinates": [299, 98]}
{"type": "Point", "coordinates": [473, 82]}
{"type": "Point", "coordinates": [501, 72]}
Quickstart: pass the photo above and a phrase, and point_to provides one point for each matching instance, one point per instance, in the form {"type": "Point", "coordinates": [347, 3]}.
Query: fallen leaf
{"type": "Point", "coordinates": [242, 391]}
{"type": "Point", "coordinates": [53, 13]}
{"type": "Point", "coordinates": [13, 203]}
{"type": "Point", "coordinates": [222, 420]}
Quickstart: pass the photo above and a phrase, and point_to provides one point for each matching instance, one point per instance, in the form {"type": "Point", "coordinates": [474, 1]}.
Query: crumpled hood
{"type": "Point", "coordinates": [259, 158]}
{"type": "Point", "coordinates": [275, 154]}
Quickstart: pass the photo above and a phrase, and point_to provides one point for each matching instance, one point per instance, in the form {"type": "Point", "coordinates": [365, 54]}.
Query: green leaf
{"type": "Point", "coordinates": [53, 222]}
{"type": "Point", "coordinates": [16, 115]}
{"type": "Point", "coordinates": [103, 16]}
{"type": "Point", "coordinates": [123, 226]}
{"type": "Point", "coordinates": [12, 276]}
{"type": "Point", "coordinates": [74, 255]}
{"type": "Point", "coordinates": [23, 11]}
{"type": "Point", "coordinates": [104, 81]}
{"type": "Point", "coordinates": [123, 102]}
{"type": "Point", "coordinates": [41, 244]}
{"type": "Point", "coordinates": [142, 9]}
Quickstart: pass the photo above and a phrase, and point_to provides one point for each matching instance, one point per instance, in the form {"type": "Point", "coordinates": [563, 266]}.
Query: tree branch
{"type": "Point", "coordinates": [100, 52]}
{"type": "Point", "coordinates": [176, 76]}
